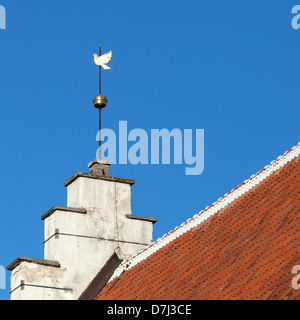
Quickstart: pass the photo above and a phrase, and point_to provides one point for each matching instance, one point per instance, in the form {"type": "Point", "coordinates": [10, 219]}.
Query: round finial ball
{"type": "Point", "coordinates": [100, 102]}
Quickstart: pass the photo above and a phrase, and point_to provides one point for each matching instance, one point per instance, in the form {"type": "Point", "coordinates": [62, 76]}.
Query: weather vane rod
{"type": "Point", "coordinates": [100, 71]}
{"type": "Point", "coordinates": [100, 101]}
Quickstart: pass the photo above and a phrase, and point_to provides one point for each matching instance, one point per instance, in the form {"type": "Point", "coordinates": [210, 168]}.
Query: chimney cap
{"type": "Point", "coordinates": [99, 167]}
{"type": "Point", "coordinates": [99, 161]}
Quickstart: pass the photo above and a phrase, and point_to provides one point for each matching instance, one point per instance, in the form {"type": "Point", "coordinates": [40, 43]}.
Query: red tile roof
{"type": "Point", "coordinates": [244, 246]}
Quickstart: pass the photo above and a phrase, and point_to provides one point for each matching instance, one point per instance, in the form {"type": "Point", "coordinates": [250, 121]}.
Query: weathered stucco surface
{"type": "Point", "coordinates": [82, 242]}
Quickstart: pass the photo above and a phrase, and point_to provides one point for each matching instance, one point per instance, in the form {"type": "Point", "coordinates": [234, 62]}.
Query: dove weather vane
{"type": "Point", "coordinates": [100, 101]}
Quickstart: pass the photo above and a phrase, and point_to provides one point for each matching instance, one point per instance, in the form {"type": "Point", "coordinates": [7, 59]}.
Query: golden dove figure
{"type": "Point", "coordinates": [103, 60]}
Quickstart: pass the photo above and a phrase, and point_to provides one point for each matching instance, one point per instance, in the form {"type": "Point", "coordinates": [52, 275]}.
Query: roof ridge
{"type": "Point", "coordinates": [203, 215]}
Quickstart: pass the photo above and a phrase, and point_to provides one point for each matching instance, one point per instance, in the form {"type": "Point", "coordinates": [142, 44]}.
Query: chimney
{"type": "Point", "coordinates": [81, 237]}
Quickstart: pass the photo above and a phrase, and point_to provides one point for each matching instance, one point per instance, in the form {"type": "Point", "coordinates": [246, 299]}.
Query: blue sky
{"type": "Point", "coordinates": [228, 67]}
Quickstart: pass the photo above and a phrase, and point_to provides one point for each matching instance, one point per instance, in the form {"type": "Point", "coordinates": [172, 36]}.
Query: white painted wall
{"type": "Point", "coordinates": [82, 243]}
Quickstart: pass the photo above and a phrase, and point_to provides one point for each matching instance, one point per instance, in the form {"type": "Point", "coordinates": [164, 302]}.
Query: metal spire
{"type": "Point", "coordinates": [99, 108]}
{"type": "Point", "coordinates": [100, 101]}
